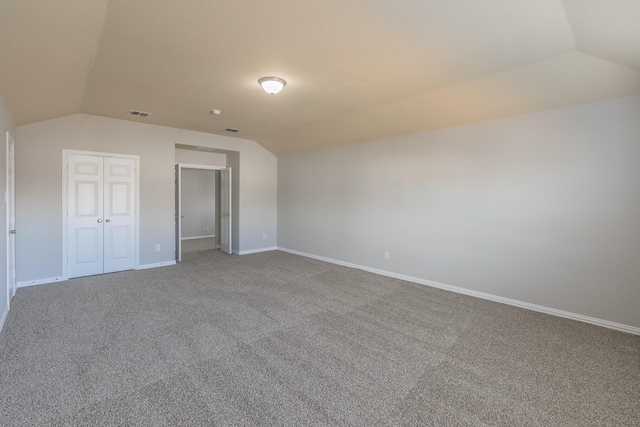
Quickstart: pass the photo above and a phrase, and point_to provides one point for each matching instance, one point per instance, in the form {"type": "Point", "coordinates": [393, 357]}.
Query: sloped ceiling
{"type": "Point", "coordinates": [356, 70]}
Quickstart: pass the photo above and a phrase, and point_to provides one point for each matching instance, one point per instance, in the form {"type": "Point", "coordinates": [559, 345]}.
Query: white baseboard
{"type": "Point", "coordinates": [155, 265]}
{"type": "Point", "coordinates": [198, 237]}
{"type": "Point", "coordinates": [3, 317]}
{"type": "Point", "coordinates": [26, 283]}
{"type": "Point", "coordinates": [540, 308]}
{"type": "Point", "coordinates": [255, 251]}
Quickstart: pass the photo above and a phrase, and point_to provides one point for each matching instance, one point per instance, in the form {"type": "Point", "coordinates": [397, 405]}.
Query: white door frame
{"type": "Point", "coordinates": [10, 201]}
{"type": "Point", "coordinates": [179, 202]}
{"type": "Point", "coordinates": [178, 213]}
{"type": "Point", "coordinates": [65, 162]}
{"type": "Point", "coordinates": [226, 210]}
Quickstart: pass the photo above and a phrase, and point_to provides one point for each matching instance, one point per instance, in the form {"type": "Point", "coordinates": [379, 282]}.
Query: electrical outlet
{"type": "Point", "coordinates": [386, 254]}
{"type": "Point", "coordinates": [157, 248]}
{"type": "Point", "coordinates": [264, 237]}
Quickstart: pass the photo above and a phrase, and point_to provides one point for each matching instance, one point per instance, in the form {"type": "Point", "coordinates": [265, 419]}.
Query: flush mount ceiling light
{"type": "Point", "coordinates": [272, 85]}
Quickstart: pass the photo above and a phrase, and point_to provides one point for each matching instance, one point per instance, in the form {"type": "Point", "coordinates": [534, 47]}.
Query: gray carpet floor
{"type": "Point", "coordinates": [197, 245]}
{"type": "Point", "coordinates": [277, 339]}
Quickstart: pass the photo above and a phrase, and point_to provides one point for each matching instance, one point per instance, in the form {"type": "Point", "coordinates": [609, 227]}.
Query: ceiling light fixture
{"type": "Point", "coordinates": [272, 85]}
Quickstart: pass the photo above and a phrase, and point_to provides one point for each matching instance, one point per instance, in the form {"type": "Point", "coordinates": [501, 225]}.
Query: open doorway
{"type": "Point", "coordinates": [203, 209]}
{"type": "Point", "coordinates": [200, 200]}
{"type": "Point", "coordinates": [198, 156]}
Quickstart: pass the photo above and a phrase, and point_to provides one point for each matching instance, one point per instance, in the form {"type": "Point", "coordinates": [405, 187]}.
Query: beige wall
{"type": "Point", "coordinates": [542, 208]}
{"type": "Point", "coordinates": [200, 158]}
{"type": "Point", "coordinates": [6, 124]}
{"type": "Point", "coordinates": [39, 185]}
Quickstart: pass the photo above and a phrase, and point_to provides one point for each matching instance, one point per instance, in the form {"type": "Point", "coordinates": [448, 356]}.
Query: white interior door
{"type": "Point", "coordinates": [119, 214]}
{"type": "Point", "coordinates": [85, 208]}
{"type": "Point", "coordinates": [101, 217]}
{"type": "Point", "coordinates": [11, 218]}
{"type": "Point", "coordinates": [225, 210]}
{"type": "Point", "coordinates": [178, 214]}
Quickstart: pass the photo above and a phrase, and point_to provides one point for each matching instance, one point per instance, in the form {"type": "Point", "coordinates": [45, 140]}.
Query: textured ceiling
{"type": "Point", "coordinates": [356, 70]}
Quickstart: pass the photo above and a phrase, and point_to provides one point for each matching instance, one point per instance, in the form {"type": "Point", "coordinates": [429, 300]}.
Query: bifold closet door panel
{"type": "Point", "coordinates": [85, 208]}
{"type": "Point", "coordinates": [119, 214]}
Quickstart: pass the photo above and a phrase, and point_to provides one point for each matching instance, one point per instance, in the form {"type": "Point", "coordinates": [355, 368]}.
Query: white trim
{"type": "Point", "coordinates": [228, 216]}
{"type": "Point", "coordinates": [10, 202]}
{"type": "Point", "coordinates": [65, 162]}
{"type": "Point", "coordinates": [534, 307]}
{"type": "Point", "coordinates": [4, 316]}
{"type": "Point", "coordinates": [198, 237]}
{"type": "Point", "coordinates": [178, 214]}
{"type": "Point", "coordinates": [25, 283]}
{"type": "Point", "coordinates": [157, 264]}
{"type": "Point", "coordinates": [191, 166]}
{"type": "Point", "coordinates": [255, 251]}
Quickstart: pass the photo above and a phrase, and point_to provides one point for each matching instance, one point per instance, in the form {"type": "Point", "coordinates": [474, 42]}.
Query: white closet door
{"type": "Point", "coordinates": [119, 214]}
{"type": "Point", "coordinates": [84, 211]}
{"type": "Point", "coordinates": [225, 210]}
{"type": "Point", "coordinates": [101, 215]}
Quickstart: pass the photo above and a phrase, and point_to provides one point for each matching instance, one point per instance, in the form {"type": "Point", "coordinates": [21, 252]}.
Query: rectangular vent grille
{"type": "Point", "coordinates": [139, 113]}
{"type": "Point", "coordinates": [232, 130]}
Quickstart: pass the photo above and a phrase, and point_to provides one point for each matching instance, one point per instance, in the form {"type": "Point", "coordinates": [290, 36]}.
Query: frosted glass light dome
{"type": "Point", "coordinates": [272, 85]}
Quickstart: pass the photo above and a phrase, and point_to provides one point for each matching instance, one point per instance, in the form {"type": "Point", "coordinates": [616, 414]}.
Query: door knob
{"type": "Point", "coordinates": [13, 232]}
{"type": "Point", "coordinates": [107, 220]}
{"type": "Point", "coordinates": [99, 221]}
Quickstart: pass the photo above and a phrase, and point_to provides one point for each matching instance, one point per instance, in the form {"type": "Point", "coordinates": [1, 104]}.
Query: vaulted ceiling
{"type": "Point", "coordinates": [356, 70]}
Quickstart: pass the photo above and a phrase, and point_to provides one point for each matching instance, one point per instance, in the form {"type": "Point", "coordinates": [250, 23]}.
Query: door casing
{"type": "Point", "coordinates": [226, 210]}
{"type": "Point", "coordinates": [10, 201]}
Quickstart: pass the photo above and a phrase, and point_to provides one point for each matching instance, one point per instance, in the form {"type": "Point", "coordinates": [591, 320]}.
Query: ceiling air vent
{"type": "Point", "coordinates": [139, 113]}
{"type": "Point", "coordinates": [234, 130]}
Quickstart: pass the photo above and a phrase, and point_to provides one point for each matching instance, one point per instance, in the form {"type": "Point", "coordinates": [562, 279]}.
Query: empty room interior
{"type": "Point", "coordinates": [320, 212]}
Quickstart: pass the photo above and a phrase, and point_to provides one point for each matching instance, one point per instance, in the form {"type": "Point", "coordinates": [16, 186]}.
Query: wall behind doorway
{"type": "Point", "coordinates": [198, 203]}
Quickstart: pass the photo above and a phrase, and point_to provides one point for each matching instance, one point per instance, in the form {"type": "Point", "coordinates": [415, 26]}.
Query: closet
{"type": "Point", "coordinates": [100, 214]}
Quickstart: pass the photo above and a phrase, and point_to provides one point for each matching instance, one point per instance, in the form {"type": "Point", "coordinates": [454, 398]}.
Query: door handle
{"type": "Point", "coordinates": [13, 232]}
{"type": "Point", "coordinates": [107, 220]}
{"type": "Point", "coordinates": [99, 221]}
